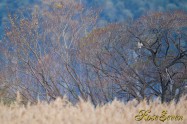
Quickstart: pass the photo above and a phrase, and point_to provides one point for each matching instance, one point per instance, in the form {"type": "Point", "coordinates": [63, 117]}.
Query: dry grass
{"type": "Point", "coordinates": [62, 112]}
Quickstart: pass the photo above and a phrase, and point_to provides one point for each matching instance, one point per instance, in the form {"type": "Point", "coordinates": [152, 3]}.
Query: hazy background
{"type": "Point", "coordinates": [113, 10]}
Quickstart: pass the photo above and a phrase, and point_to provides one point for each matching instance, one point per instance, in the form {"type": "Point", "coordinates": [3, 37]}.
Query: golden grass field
{"type": "Point", "coordinates": [63, 112]}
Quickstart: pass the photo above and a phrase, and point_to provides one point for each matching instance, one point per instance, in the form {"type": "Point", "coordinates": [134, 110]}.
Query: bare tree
{"type": "Point", "coordinates": [57, 49]}
{"type": "Point", "coordinates": [40, 50]}
{"type": "Point", "coordinates": [143, 59]}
